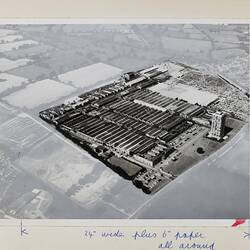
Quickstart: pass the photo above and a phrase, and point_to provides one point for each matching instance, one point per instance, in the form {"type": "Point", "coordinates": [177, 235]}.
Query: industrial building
{"type": "Point", "coordinates": [218, 125]}
{"type": "Point", "coordinates": [140, 129]}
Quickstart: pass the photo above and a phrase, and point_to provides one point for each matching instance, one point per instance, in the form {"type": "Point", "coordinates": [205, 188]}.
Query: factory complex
{"type": "Point", "coordinates": [153, 124]}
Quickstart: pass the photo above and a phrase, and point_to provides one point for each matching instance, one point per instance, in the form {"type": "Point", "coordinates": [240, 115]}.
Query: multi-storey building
{"type": "Point", "coordinates": [218, 125]}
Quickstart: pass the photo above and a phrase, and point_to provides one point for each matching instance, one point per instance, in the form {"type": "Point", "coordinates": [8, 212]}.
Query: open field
{"type": "Point", "coordinates": [10, 38]}
{"type": "Point", "coordinates": [44, 91]}
{"type": "Point", "coordinates": [7, 64]}
{"type": "Point", "coordinates": [64, 61]}
{"type": "Point", "coordinates": [179, 44]}
{"type": "Point", "coordinates": [5, 113]}
{"type": "Point", "coordinates": [32, 204]}
{"type": "Point", "coordinates": [33, 72]}
{"type": "Point", "coordinates": [88, 194]}
{"type": "Point", "coordinates": [64, 171]}
{"type": "Point", "coordinates": [90, 76]}
{"type": "Point", "coordinates": [39, 50]}
{"type": "Point", "coordinates": [8, 81]}
{"type": "Point", "coordinates": [6, 32]}
{"type": "Point", "coordinates": [81, 177]}
{"type": "Point", "coordinates": [15, 45]}
{"type": "Point", "coordinates": [21, 132]}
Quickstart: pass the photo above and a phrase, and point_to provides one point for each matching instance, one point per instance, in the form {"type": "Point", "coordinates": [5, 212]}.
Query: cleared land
{"type": "Point", "coordinates": [15, 45]}
{"type": "Point", "coordinates": [21, 132]}
{"type": "Point", "coordinates": [82, 177]}
{"type": "Point", "coordinates": [8, 81]}
{"type": "Point", "coordinates": [46, 161]}
{"type": "Point", "coordinates": [88, 77]}
{"type": "Point", "coordinates": [33, 72]}
{"type": "Point", "coordinates": [6, 64]}
{"type": "Point", "coordinates": [5, 113]}
{"type": "Point", "coordinates": [44, 91]}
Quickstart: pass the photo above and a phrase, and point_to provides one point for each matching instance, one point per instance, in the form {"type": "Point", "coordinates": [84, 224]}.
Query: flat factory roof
{"type": "Point", "coordinates": [185, 92]}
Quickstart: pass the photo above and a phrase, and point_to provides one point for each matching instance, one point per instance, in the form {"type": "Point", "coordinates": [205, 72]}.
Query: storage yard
{"type": "Point", "coordinates": [147, 126]}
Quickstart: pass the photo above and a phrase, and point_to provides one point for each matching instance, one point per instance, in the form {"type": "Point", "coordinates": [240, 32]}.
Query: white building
{"type": "Point", "coordinates": [218, 125]}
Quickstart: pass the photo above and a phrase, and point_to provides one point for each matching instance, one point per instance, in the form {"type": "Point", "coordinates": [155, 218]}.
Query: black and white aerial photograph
{"type": "Point", "coordinates": [124, 121]}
